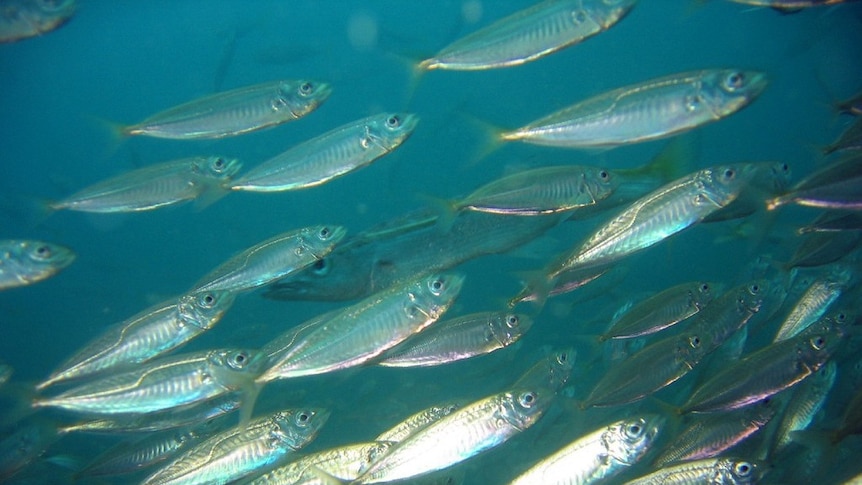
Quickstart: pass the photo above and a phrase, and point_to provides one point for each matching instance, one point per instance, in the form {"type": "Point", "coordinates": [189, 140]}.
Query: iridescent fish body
{"type": "Point", "coordinates": [156, 186]}
{"type": "Point", "coordinates": [235, 112]}
{"type": "Point", "coordinates": [655, 109]}
{"type": "Point", "coordinates": [530, 34]}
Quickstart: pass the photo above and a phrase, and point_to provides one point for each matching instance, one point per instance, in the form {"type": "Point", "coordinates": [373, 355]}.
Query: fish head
{"type": "Point", "coordinates": [320, 240]}
{"type": "Point", "coordinates": [298, 98]}
{"type": "Point", "coordinates": [601, 183]}
{"type": "Point", "coordinates": [737, 471]}
{"type": "Point", "coordinates": [294, 428]}
{"type": "Point", "coordinates": [815, 349]}
{"type": "Point", "coordinates": [523, 407]}
{"type": "Point", "coordinates": [749, 297]}
{"type": "Point", "coordinates": [390, 130]}
{"type": "Point", "coordinates": [432, 295]}
{"type": "Point", "coordinates": [39, 259]}
{"type": "Point", "coordinates": [235, 368]}
{"type": "Point", "coordinates": [607, 12]}
{"type": "Point", "coordinates": [218, 168]}
{"type": "Point", "coordinates": [722, 184]}
{"type": "Point", "coordinates": [506, 328]}
{"type": "Point", "coordinates": [205, 308]}
{"type": "Point", "coordinates": [628, 440]}
{"type": "Point", "coordinates": [727, 91]}
{"type": "Point", "coordinates": [701, 293]}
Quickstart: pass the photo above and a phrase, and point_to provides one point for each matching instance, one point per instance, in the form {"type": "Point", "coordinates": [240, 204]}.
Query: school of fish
{"type": "Point", "coordinates": [756, 379]}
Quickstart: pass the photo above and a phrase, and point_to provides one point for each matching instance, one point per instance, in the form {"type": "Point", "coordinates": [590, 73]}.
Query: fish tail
{"type": "Point", "coordinates": [493, 137]}
{"type": "Point", "coordinates": [249, 393]}
{"type": "Point", "coordinates": [446, 210]}
{"type": "Point", "coordinates": [537, 288]}
{"type": "Point", "coordinates": [210, 196]}
{"type": "Point", "coordinates": [117, 133]}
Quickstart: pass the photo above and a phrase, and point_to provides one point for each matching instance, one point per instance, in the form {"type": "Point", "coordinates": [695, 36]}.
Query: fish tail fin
{"type": "Point", "coordinates": [116, 132]}
{"type": "Point", "coordinates": [492, 137]}
{"type": "Point", "coordinates": [446, 210]}
{"type": "Point", "coordinates": [537, 288]}
{"type": "Point", "coordinates": [30, 211]}
{"type": "Point", "coordinates": [674, 160]}
{"type": "Point", "coordinates": [415, 73]}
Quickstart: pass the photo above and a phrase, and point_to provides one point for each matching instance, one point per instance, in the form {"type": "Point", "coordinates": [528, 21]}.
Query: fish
{"type": "Point", "coordinates": [850, 106]}
{"type": "Point", "coordinates": [835, 186]}
{"type": "Point", "coordinates": [652, 110]}
{"type": "Point", "coordinates": [817, 248]}
{"type": "Point", "coordinates": [814, 303]}
{"type": "Point", "coordinates": [21, 19]}
{"type": "Point", "coordinates": [725, 471]}
{"type": "Point", "coordinates": [597, 456]}
{"type": "Point", "coordinates": [529, 34]}
{"type": "Point", "coordinates": [357, 334]}
{"type": "Point", "coordinates": [330, 155]}
{"type": "Point", "coordinates": [765, 372]}
{"type": "Point", "coordinates": [650, 219]}
{"type": "Point", "coordinates": [457, 339]}
{"type": "Point", "coordinates": [468, 431]}
{"type": "Point", "coordinates": [803, 405]}
{"type": "Point", "coordinates": [550, 373]}
{"type": "Point", "coordinates": [234, 112]}
{"type": "Point", "coordinates": [168, 383]}
{"type": "Point", "coordinates": [713, 434]}
{"type": "Point", "coordinates": [25, 443]}
{"type": "Point", "coordinates": [544, 190]}
{"type": "Point", "coordinates": [146, 335]}
{"type": "Point", "coordinates": [155, 186]}
{"type": "Point", "coordinates": [240, 451]}
{"type": "Point", "coordinates": [272, 259]}
{"type": "Point", "coordinates": [662, 310]}
{"type": "Point", "coordinates": [24, 262]}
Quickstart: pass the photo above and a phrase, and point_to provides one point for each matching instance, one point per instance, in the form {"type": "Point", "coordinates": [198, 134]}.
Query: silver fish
{"type": "Point", "coordinates": [344, 463]}
{"type": "Point", "coordinates": [147, 335]}
{"type": "Point", "coordinates": [457, 339]}
{"type": "Point", "coordinates": [235, 112]}
{"type": "Point", "coordinates": [662, 310]}
{"type": "Point", "coordinates": [597, 456]}
{"type": "Point", "coordinates": [468, 431]}
{"type": "Point", "coordinates": [530, 34]}
{"type": "Point", "coordinates": [814, 303]}
{"type": "Point", "coordinates": [241, 451]}
{"type": "Point", "coordinates": [835, 186]}
{"type": "Point", "coordinates": [651, 110]}
{"type": "Point", "coordinates": [416, 422]}
{"type": "Point", "coordinates": [335, 153]}
{"type": "Point", "coordinates": [803, 405]}
{"type": "Point", "coordinates": [168, 383]}
{"type": "Point", "coordinates": [24, 262]}
{"type": "Point", "coordinates": [160, 185]}
{"type": "Point", "coordinates": [272, 259]}
{"type": "Point", "coordinates": [543, 190]}
{"type": "Point", "coordinates": [20, 19]}
{"type": "Point", "coordinates": [361, 332]}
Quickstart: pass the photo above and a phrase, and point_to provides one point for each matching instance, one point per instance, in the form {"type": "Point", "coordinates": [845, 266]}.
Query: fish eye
{"type": "Point", "coordinates": [734, 81]}
{"type": "Point", "coordinates": [729, 174]}
{"type": "Point", "coordinates": [219, 163]}
{"type": "Point", "coordinates": [579, 16]}
{"type": "Point", "coordinates": [437, 286]}
{"type": "Point", "coordinates": [562, 358]}
{"type": "Point", "coordinates": [604, 175]}
{"type": "Point", "coordinates": [207, 300]}
{"type": "Point", "coordinates": [527, 399]}
{"type": "Point", "coordinates": [43, 251]}
{"type": "Point", "coordinates": [302, 418]}
{"type": "Point", "coordinates": [238, 360]}
{"type": "Point", "coordinates": [634, 430]}
{"type": "Point", "coordinates": [324, 233]}
{"type": "Point", "coordinates": [742, 469]}
{"type": "Point", "coordinates": [512, 321]}
{"type": "Point", "coordinates": [754, 289]}
{"type": "Point", "coordinates": [704, 288]}
{"type": "Point", "coordinates": [306, 88]}
{"type": "Point", "coordinates": [393, 121]}
{"type": "Point", "coordinates": [694, 342]}
{"type": "Point", "coordinates": [817, 343]}
{"type": "Point", "coordinates": [841, 318]}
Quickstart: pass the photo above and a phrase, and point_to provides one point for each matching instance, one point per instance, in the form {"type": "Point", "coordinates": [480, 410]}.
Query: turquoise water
{"type": "Point", "coordinates": [122, 61]}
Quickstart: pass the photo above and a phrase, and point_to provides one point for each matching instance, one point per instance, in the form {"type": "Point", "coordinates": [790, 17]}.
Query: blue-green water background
{"type": "Point", "coordinates": [123, 61]}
